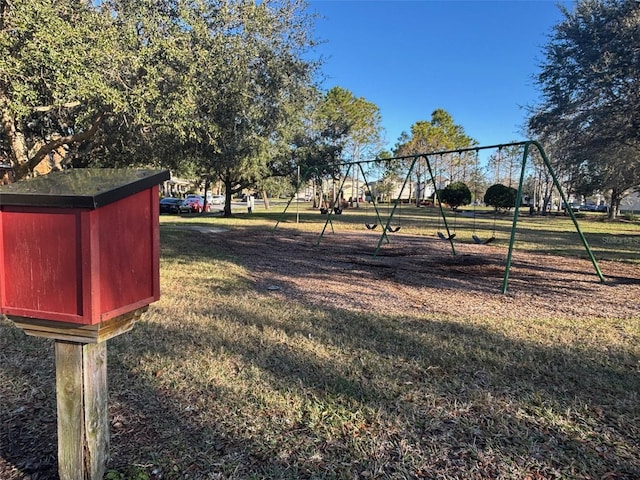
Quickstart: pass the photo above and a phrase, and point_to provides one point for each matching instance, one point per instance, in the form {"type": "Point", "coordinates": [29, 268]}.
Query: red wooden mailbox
{"type": "Point", "coordinates": [78, 249]}
{"type": "Point", "coordinates": [79, 263]}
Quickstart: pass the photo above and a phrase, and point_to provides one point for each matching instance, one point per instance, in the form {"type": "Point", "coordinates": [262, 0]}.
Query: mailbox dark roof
{"type": "Point", "coordinates": [80, 188]}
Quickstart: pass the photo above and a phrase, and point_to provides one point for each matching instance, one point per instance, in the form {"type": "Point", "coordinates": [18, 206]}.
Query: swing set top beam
{"type": "Point", "coordinates": [476, 148]}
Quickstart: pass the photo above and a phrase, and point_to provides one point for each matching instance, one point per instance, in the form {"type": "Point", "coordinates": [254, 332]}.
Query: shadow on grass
{"type": "Point", "coordinates": [27, 406]}
{"type": "Point", "coordinates": [457, 395]}
{"type": "Point", "coordinates": [464, 392]}
{"type": "Point", "coordinates": [553, 233]}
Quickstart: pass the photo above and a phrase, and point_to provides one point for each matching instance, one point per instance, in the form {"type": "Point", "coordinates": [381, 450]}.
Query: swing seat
{"type": "Point", "coordinates": [443, 237]}
{"type": "Point", "coordinates": [324, 211]}
{"type": "Point", "coordinates": [478, 240]}
{"type": "Point", "coordinates": [393, 230]}
{"type": "Point", "coordinates": [337, 210]}
{"type": "Point", "coordinates": [371, 226]}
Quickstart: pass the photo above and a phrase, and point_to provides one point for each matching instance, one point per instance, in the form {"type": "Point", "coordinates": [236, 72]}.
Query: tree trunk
{"type": "Point", "coordinates": [207, 184]}
{"type": "Point", "coordinates": [17, 143]}
{"type": "Point", "coordinates": [614, 209]}
{"type": "Point", "coordinates": [227, 199]}
{"type": "Point", "coordinates": [316, 201]}
{"type": "Point", "coordinates": [265, 199]}
{"type": "Point", "coordinates": [23, 161]}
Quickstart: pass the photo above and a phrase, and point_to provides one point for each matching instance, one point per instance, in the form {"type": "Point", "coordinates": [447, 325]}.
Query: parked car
{"type": "Point", "coordinates": [592, 207]}
{"type": "Point", "coordinates": [216, 200]}
{"type": "Point", "coordinates": [574, 207]}
{"type": "Point", "coordinates": [602, 208]}
{"type": "Point", "coordinates": [192, 204]}
{"type": "Point", "coordinates": [170, 205]}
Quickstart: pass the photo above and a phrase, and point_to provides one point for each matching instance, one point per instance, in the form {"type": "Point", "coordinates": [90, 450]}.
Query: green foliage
{"type": "Point", "coordinates": [589, 82]}
{"type": "Point", "coordinates": [277, 186]}
{"type": "Point", "coordinates": [456, 194]}
{"type": "Point", "coordinates": [342, 128]}
{"type": "Point", "coordinates": [353, 122]}
{"type": "Point", "coordinates": [213, 88]}
{"type": "Point", "coordinates": [440, 133]}
{"type": "Point", "coordinates": [500, 196]}
{"type": "Point", "coordinates": [249, 87]}
{"type": "Point", "coordinates": [133, 473]}
{"type": "Point", "coordinates": [54, 53]}
{"type": "Point", "coordinates": [320, 145]}
{"type": "Point", "coordinates": [62, 68]}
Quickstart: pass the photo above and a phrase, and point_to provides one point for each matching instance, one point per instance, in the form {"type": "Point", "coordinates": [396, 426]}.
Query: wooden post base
{"type": "Point", "coordinates": [74, 332]}
{"type": "Point", "coordinates": [83, 425]}
{"type": "Point", "coordinates": [81, 389]}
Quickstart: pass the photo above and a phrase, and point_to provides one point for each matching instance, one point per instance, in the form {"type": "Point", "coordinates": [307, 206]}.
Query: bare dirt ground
{"type": "Point", "coordinates": [421, 273]}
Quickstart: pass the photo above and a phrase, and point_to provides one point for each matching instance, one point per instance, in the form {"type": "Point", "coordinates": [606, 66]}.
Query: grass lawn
{"type": "Point", "coordinates": [238, 372]}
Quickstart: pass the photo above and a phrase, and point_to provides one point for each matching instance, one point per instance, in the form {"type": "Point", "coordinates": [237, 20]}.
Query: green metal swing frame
{"type": "Point", "coordinates": [528, 144]}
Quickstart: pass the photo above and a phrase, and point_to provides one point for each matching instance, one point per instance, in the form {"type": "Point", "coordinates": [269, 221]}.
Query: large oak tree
{"type": "Point", "coordinates": [92, 83]}
{"type": "Point", "coordinates": [590, 83]}
{"type": "Point", "coordinates": [60, 68]}
{"type": "Point", "coordinates": [212, 88]}
{"type": "Point", "coordinates": [251, 83]}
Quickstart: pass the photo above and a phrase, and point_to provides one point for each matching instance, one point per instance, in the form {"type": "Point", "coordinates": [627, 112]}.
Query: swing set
{"type": "Point", "coordinates": [447, 234]}
{"type": "Point", "coordinates": [475, 236]}
{"type": "Point", "coordinates": [369, 226]}
{"type": "Point", "coordinates": [390, 229]}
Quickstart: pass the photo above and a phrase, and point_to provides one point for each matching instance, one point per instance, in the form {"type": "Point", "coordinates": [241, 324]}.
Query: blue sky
{"type": "Point", "coordinates": [475, 59]}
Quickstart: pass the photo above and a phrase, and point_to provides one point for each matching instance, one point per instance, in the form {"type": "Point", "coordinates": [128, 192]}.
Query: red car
{"type": "Point", "coordinates": [192, 204]}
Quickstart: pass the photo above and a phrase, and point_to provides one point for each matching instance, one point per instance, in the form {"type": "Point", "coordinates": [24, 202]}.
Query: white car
{"type": "Point", "coordinates": [216, 200]}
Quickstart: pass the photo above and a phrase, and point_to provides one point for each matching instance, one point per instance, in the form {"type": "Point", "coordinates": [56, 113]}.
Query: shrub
{"type": "Point", "coordinates": [456, 194]}
{"type": "Point", "coordinates": [500, 196]}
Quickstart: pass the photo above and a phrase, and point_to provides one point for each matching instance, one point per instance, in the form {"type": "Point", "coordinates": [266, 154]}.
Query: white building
{"type": "Point", "coordinates": [630, 203]}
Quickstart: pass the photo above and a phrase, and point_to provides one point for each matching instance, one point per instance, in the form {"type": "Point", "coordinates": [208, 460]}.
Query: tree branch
{"type": "Point", "coordinates": [66, 140]}
{"type": "Point", "coordinates": [48, 108]}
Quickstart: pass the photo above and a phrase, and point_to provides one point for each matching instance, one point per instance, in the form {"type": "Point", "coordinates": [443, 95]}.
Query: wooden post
{"type": "Point", "coordinates": [83, 425]}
